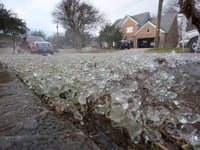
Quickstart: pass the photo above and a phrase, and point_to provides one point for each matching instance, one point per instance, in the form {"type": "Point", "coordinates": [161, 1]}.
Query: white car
{"type": "Point", "coordinates": [190, 40]}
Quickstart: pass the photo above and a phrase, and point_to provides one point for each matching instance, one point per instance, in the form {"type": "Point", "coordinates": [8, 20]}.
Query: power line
{"type": "Point", "coordinates": [127, 6]}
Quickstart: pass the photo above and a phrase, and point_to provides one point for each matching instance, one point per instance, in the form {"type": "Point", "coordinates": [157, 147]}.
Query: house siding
{"type": "Point", "coordinates": [168, 32]}
{"type": "Point", "coordinates": [151, 34]}
{"type": "Point", "coordinates": [129, 23]}
{"type": "Point", "coordinates": [171, 38]}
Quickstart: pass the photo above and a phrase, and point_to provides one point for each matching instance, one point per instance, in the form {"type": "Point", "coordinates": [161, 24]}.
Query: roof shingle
{"type": "Point", "coordinates": [166, 21]}
{"type": "Point", "coordinates": [141, 18]}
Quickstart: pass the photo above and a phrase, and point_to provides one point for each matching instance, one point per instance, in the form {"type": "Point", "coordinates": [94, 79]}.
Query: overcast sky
{"type": "Point", "coordinates": [37, 13]}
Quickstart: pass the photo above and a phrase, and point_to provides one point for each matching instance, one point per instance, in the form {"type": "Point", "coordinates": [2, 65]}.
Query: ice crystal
{"type": "Point", "coordinates": [132, 90]}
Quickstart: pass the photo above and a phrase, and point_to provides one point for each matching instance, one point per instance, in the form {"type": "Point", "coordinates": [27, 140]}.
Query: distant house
{"type": "Point", "coordinates": [141, 30]}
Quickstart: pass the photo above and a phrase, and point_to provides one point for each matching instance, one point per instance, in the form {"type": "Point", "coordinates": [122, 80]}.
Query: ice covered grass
{"type": "Point", "coordinates": [137, 91]}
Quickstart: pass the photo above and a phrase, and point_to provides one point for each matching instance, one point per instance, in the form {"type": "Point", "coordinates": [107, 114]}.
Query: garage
{"type": "Point", "coordinates": [145, 43]}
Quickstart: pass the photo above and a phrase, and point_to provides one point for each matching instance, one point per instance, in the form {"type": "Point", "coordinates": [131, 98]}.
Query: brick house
{"type": "Point", "coordinates": [141, 30]}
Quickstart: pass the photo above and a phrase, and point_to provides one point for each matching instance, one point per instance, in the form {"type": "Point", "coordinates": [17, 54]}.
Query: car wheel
{"type": "Point", "coordinates": [193, 44]}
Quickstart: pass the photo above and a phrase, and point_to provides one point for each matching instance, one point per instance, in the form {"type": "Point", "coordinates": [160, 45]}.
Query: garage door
{"type": "Point", "coordinates": [146, 43]}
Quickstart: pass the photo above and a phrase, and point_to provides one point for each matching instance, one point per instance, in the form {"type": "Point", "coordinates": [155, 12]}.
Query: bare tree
{"type": "Point", "coordinates": [78, 17]}
{"type": "Point", "coordinates": [190, 9]}
{"type": "Point", "coordinates": [171, 6]}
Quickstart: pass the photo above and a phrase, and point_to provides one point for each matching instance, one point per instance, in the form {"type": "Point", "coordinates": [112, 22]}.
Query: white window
{"type": "Point", "coordinates": [129, 30]}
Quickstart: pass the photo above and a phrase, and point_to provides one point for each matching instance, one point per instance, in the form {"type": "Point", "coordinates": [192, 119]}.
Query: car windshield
{"type": "Point", "coordinates": [35, 39]}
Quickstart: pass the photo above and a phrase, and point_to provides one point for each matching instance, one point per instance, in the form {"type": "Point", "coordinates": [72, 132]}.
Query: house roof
{"type": "Point", "coordinates": [140, 18]}
{"type": "Point", "coordinates": [117, 22]}
{"type": "Point", "coordinates": [166, 21]}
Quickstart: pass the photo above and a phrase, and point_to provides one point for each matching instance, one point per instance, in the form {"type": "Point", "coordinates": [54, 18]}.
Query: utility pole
{"type": "Point", "coordinates": [157, 40]}
{"type": "Point", "coordinates": [57, 29]}
{"type": "Point", "coordinates": [57, 35]}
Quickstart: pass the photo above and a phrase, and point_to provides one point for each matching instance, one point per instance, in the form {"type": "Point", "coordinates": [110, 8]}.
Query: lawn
{"type": "Point", "coordinates": [98, 50]}
{"type": "Point", "coordinates": [86, 50]}
{"type": "Point", "coordinates": [169, 49]}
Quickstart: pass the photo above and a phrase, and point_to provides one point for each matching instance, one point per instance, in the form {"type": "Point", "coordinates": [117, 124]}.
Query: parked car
{"type": "Point", "coordinates": [190, 40]}
{"type": "Point", "coordinates": [34, 44]}
{"type": "Point", "coordinates": [123, 44]}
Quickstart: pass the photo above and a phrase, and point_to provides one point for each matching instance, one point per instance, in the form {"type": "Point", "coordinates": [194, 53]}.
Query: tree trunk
{"type": "Point", "coordinates": [188, 8]}
{"type": "Point", "coordinates": [78, 42]}
{"type": "Point", "coordinates": [14, 43]}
